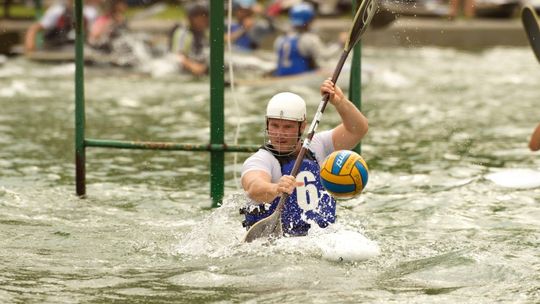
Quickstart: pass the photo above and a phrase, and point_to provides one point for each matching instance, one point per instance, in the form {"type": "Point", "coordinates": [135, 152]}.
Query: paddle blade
{"type": "Point", "coordinates": [362, 18]}
{"type": "Point", "coordinates": [267, 227]}
{"type": "Point", "coordinates": [530, 23]}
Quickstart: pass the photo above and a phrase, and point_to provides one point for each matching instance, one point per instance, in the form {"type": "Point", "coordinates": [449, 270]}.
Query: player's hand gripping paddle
{"type": "Point", "coordinates": [530, 23]}
{"type": "Point", "coordinates": [271, 225]}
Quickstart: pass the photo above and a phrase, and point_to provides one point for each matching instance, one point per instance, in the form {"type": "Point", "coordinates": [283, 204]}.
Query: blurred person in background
{"type": "Point", "coordinates": [248, 29]}
{"type": "Point", "coordinates": [468, 7]}
{"type": "Point", "coordinates": [191, 44]}
{"type": "Point", "coordinates": [57, 25]}
{"type": "Point", "coordinates": [301, 50]}
{"type": "Point", "coordinates": [108, 25]}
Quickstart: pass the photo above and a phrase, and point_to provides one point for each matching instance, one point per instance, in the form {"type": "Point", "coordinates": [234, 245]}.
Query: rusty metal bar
{"type": "Point", "coordinates": [168, 146]}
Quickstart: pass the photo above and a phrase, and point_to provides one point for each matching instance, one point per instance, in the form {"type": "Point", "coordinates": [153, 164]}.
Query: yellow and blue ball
{"type": "Point", "coordinates": [344, 174]}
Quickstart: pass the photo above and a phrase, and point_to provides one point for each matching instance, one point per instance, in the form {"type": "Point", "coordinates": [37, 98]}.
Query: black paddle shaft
{"type": "Point", "coordinates": [532, 28]}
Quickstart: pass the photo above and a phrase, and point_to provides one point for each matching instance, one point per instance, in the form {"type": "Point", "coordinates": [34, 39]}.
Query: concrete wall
{"type": "Point", "coordinates": [463, 34]}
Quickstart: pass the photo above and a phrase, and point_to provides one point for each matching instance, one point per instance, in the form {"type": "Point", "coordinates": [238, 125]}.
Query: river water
{"type": "Point", "coordinates": [450, 214]}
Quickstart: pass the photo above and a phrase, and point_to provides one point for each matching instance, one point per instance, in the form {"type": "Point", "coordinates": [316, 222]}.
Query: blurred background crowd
{"type": "Point", "coordinates": [285, 27]}
{"type": "Point", "coordinates": [450, 8]}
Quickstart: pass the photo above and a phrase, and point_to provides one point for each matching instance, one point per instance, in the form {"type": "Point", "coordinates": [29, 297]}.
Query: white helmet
{"type": "Point", "coordinates": [286, 105]}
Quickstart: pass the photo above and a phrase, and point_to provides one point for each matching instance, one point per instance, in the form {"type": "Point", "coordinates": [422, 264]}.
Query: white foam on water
{"type": "Point", "coordinates": [516, 178]}
{"type": "Point", "coordinates": [160, 67]}
{"type": "Point", "coordinates": [10, 70]}
{"type": "Point", "coordinates": [347, 245]}
{"type": "Point", "coordinates": [220, 234]}
{"type": "Point", "coordinates": [334, 243]}
{"type": "Point", "coordinates": [243, 61]}
{"type": "Point", "coordinates": [46, 71]}
{"type": "Point", "coordinates": [21, 88]}
{"type": "Point", "coordinates": [129, 102]}
{"type": "Point", "coordinates": [215, 234]}
{"type": "Point", "coordinates": [392, 79]}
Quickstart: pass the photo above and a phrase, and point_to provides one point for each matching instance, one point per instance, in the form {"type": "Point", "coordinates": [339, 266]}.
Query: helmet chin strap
{"type": "Point", "coordinates": [299, 132]}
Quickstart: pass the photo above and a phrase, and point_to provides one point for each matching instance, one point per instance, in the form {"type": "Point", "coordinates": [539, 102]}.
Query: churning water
{"type": "Point", "coordinates": [450, 214]}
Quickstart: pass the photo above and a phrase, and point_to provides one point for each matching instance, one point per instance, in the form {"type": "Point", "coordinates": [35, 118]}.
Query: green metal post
{"type": "Point", "coordinates": [80, 153]}
{"type": "Point", "coordinates": [38, 13]}
{"type": "Point", "coordinates": [355, 79]}
{"type": "Point", "coordinates": [217, 121]}
{"type": "Point", "coordinates": [38, 4]}
{"type": "Point", "coordinates": [7, 4]}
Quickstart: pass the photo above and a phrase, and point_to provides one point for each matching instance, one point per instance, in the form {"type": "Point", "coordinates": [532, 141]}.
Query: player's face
{"type": "Point", "coordinates": [283, 134]}
{"type": "Point", "coordinates": [199, 23]}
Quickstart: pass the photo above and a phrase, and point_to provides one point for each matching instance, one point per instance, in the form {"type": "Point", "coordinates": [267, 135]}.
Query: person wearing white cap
{"type": "Point", "coordinates": [265, 174]}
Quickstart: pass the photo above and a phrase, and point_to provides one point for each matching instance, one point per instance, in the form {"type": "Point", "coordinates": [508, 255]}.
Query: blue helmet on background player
{"type": "Point", "coordinates": [245, 4]}
{"type": "Point", "coordinates": [301, 14]}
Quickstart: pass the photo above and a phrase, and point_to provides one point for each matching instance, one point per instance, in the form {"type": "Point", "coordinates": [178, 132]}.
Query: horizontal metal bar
{"type": "Point", "coordinates": [149, 145]}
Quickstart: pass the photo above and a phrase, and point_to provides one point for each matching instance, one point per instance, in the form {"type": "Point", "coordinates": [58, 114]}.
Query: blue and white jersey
{"type": "Point", "coordinates": [244, 42]}
{"type": "Point", "coordinates": [308, 203]}
{"type": "Point", "coordinates": [290, 59]}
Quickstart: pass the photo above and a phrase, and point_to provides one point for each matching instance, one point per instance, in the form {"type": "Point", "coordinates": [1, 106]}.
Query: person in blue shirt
{"type": "Point", "coordinates": [248, 30]}
{"type": "Point", "coordinates": [300, 50]}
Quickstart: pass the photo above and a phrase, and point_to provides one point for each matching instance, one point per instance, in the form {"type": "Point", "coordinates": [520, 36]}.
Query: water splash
{"type": "Point", "coordinates": [516, 178]}
{"type": "Point", "coordinates": [220, 235]}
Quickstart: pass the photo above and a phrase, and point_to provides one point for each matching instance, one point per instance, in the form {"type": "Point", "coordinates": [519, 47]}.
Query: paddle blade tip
{"type": "Point", "coordinates": [266, 228]}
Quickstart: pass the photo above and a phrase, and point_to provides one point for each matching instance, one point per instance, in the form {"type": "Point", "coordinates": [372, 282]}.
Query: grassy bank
{"type": "Point", "coordinates": [19, 11]}
{"type": "Point", "coordinates": [172, 12]}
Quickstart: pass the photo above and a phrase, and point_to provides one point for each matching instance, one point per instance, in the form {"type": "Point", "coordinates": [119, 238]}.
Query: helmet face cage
{"type": "Point", "coordinates": [284, 150]}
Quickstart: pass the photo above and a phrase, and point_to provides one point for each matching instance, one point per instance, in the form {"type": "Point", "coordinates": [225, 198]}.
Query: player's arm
{"type": "Point", "coordinates": [534, 144]}
{"type": "Point", "coordinates": [259, 186]}
{"type": "Point", "coordinates": [30, 38]}
{"type": "Point", "coordinates": [354, 124]}
{"type": "Point", "coordinates": [194, 67]}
